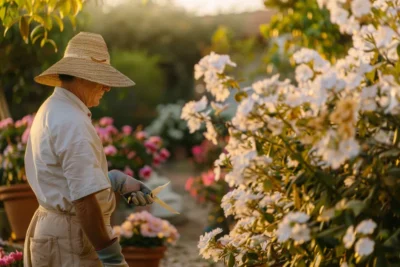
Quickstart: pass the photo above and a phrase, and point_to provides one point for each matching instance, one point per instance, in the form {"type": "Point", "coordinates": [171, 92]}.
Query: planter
{"type": "Point", "coordinates": [20, 204]}
{"type": "Point", "coordinates": [5, 230]}
{"type": "Point", "coordinates": [143, 257]}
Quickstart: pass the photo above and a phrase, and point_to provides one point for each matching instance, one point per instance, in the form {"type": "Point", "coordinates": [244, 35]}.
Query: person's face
{"type": "Point", "coordinates": [92, 92]}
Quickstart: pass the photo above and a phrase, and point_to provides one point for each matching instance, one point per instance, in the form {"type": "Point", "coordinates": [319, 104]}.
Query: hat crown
{"type": "Point", "coordinates": [89, 46]}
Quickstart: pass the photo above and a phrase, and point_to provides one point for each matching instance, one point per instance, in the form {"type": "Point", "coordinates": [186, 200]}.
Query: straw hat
{"type": "Point", "coordinates": [86, 57]}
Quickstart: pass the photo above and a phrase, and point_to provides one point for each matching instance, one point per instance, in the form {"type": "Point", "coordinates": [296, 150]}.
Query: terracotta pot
{"type": "Point", "coordinates": [143, 257]}
{"type": "Point", "coordinates": [20, 204]}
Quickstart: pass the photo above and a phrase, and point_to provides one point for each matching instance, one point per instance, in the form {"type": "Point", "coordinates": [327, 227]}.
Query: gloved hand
{"type": "Point", "coordinates": [112, 255]}
{"type": "Point", "coordinates": [129, 187]}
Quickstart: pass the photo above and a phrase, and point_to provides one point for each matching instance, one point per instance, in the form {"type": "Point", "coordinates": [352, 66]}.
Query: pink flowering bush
{"type": "Point", "coordinates": [133, 152]}
{"type": "Point", "coordinates": [13, 139]}
{"type": "Point", "coordinates": [144, 230]}
{"type": "Point", "coordinates": [10, 259]}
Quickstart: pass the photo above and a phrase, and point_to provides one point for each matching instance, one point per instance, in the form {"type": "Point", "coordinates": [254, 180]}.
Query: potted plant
{"type": "Point", "coordinates": [15, 193]}
{"type": "Point", "coordinates": [144, 238]}
{"type": "Point", "coordinates": [9, 256]}
{"type": "Point", "coordinates": [132, 151]}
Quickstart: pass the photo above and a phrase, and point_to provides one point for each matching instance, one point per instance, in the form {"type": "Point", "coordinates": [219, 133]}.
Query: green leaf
{"type": "Point", "coordinates": [53, 44]}
{"type": "Point", "coordinates": [65, 8]}
{"type": "Point", "coordinates": [2, 13]}
{"type": "Point", "coordinates": [357, 206]}
{"type": "Point", "coordinates": [38, 19]}
{"type": "Point", "coordinates": [398, 50]}
{"type": "Point", "coordinates": [231, 261]}
{"type": "Point", "coordinates": [76, 6]}
{"type": "Point", "coordinates": [269, 217]}
{"type": "Point", "coordinates": [59, 22]}
{"type": "Point", "coordinates": [331, 231]}
{"type": "Point", "coordinates": [48, 23]}
{"type": "Point", "coordinates": [240, 96]}
{"type": "Point", "coordinates": [36, 38]}
{"type": "Point", "coordinates": [73, 21]}
{"type": "Point", "coordinates": [395, 172]}
{"type": "Point", "coordinates": [35, 31]}
{"type": "Point", "coordinates": [24, 28]}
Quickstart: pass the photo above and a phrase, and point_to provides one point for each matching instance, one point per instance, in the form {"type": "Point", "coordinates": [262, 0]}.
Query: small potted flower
{"type": "Point", "coordinates": [9, 257]}
{"type": "Point", "coordinates": [15, 193]}
{"type": "Point", "coordinates": [144, 238]}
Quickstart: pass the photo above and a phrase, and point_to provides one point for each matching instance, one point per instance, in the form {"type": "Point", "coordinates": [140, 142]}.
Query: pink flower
{"type": "Point", "coordinates": [28, 119]}
{"type": "Point", "coordinates": [156, 140]}
{"type": "Point", "coordinates": [17, 255]}
{"type": "Point", "coordinates": [105, 121]}
{"type": "Point", "coordinates": [189, 183]}
{"type": "Point", "coordinates": [6, 122]}
{"type": "Point", "coordinates": [111, 129]}
{"type": "Point", "coordinates": [197, 152]}
{"type": "Point", "coordinates": [127, 130]}
{"type": "Point", "coordinates": [25, 135]}
{"type": "Point", "coordinates": [157, 160]}
{"type": "Point", "coordinates": [110, 150]}
{"type": "Point", "coordinates": [128, 171]}
{"type": "Point", "coordinates": [141, 135]}
{"type": "Point", "coordinates": [3, 262]}
{"type": "Point", "coordinates": [19, 123]}
{"type": "Point", "coordinates": [9, 260]}
{"type": "Point", "coordinates": [150, 146]}
{"type": "Point", "coordinates": [145, 172]}
{"type": "Point", "coordinates": [208, 178]}
{"type": "Point", "coordinates": [164, 154]}
{"type": "Point", "coordinates": [131, 155]}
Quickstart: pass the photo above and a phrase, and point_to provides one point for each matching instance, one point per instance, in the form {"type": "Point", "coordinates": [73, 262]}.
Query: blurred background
{"type": "Point", "coordinates": [155, 43]}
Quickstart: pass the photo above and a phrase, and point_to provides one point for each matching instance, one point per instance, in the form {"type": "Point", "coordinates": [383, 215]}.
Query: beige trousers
{"type": "Point", "coordinates": [56, 239]}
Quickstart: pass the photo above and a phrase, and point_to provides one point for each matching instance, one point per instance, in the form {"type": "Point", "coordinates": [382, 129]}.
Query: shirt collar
{"type": "Point", "coordinates": [59, 91]}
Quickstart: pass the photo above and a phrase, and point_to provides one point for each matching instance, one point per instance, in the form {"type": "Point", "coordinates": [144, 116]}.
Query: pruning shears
{"type": "Point", "coordinates": [157, 200]}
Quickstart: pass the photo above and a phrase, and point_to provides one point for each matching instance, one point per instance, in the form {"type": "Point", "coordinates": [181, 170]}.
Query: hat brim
{"type": "Point", "coordinates": [101, 73]}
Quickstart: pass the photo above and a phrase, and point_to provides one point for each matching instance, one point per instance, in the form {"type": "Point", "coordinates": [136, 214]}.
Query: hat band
{"type": "Point", "coordinates": [88, 58]}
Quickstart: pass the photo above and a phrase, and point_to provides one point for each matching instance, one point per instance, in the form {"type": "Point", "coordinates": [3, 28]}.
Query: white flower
{"type": "Point", "coordinates": [305, 55]}
{"type": "Point", "coordinates": [339, 16]}
{"type": "Point", "coordinates": [206, 239]}
{"type": "Point", "coordinates": [364, 246]}
{"type": "Point", "coordinates": [190, 113]}
{"type": "Point", "coordinates": [298, 216]}
{"type": "Point", "coordinates": [211, 134]}
{"type": "Point", "coordinates": [366, 227]}
{"type": "Point", "coordinates": [303, 73]}
{"type": "Point", "coordinates": [383, 36]}
{"type": "Point", "coordinates": [344, 264]}
{"type": "Point", "coordinates": [300, 233]}
{"type": "Point", "coordinates": [360, 7]}
{"type": "Point", "coordinates": [266, 85]}
{"type": "Point", "coordinates": [349, 237]}
{"type": "Point", "coordinates": [283, 232]}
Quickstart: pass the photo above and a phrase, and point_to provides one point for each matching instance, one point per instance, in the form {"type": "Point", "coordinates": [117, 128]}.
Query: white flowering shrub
{"type": "Point", "coordinates": [315, 163]}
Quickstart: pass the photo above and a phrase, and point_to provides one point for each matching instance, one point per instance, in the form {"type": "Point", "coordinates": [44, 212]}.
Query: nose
{"type": "Point", "coordinates": [106, 88]}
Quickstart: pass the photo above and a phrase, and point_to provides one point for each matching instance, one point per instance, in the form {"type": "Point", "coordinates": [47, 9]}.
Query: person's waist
{"type": "Point", "coordinates": [106, 218]}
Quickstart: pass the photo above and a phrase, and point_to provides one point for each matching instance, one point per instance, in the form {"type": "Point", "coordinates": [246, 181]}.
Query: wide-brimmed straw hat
{"type": "Point", "coordinates": [86, 57]}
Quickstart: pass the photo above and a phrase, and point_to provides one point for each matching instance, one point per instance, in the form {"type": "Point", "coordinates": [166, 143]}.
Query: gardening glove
{"type": "Point", "coordinates": [112, 255]}
{"type": "Point", "coordinates": [133, 190]}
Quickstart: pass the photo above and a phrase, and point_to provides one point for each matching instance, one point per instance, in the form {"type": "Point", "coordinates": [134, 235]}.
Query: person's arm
{"type": "Point", "coordinates": [125, 184]}
{"type": "Point", "coordinates": [90, 217]}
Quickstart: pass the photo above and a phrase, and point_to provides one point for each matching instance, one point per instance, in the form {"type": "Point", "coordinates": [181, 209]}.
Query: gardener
{"type": "Point", "coordinates": [67, 168]}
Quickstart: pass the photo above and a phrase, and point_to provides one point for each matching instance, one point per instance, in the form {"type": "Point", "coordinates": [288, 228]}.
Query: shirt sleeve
{"type": "Point", "coordinates": [82, 169]}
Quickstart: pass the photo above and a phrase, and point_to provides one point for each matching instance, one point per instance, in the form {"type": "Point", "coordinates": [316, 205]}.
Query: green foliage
{"type": "Point", "coordinates": [134, 105]}
{"type": "Point", "coordinates": [176, 37]}
{"type": "Point", "coordinates": [37, 18]}
{"type": "Point", "coordinates": [300, 24]}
